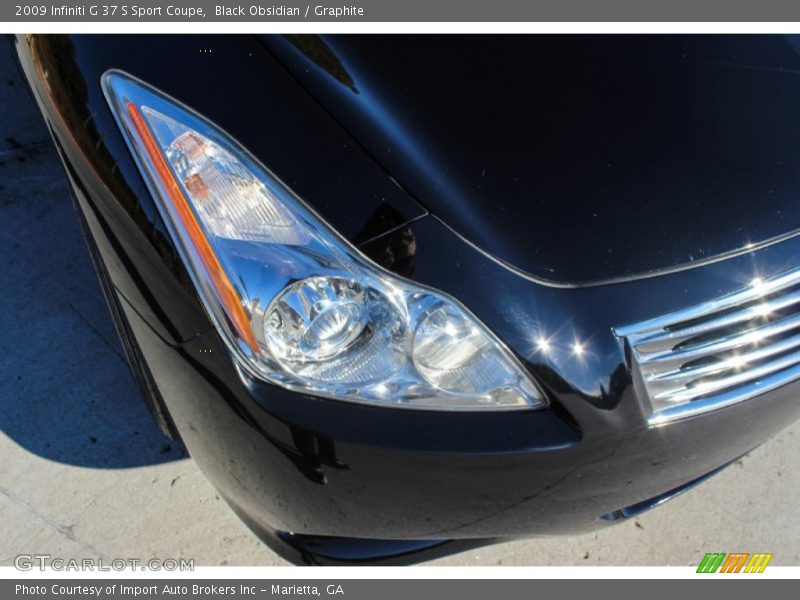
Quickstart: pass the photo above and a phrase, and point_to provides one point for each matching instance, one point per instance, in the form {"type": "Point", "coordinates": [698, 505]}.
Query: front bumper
{"type": "Point", "coordinates": [313, 467]}
{"type": "Point", "coordinates": [305, 465]}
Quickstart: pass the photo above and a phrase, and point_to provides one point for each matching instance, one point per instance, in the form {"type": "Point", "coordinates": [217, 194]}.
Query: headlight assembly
{"type": "Point", "coordinates": [297, 305]}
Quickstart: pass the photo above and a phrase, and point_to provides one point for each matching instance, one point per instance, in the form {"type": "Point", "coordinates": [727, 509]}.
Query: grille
{"type": "Point", "coordinates": [721, 352]}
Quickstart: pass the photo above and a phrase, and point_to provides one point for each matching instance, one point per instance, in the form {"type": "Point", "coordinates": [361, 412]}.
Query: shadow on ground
{"type": "Point", "coordinates": [66, 391]}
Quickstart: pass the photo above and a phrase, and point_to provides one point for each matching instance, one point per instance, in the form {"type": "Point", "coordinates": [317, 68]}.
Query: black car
{"type": "Point", "coordinates": [404, 295]}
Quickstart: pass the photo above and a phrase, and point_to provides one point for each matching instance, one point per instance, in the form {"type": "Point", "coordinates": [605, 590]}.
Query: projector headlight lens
{"type": "Point", "coordinates": [297, 305]}
{"type": "Point", "coordinates": [332, 331]}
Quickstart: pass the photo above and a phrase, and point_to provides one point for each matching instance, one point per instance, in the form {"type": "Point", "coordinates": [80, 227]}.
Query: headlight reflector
{"type": "Point", "coordinates": [297, 305]}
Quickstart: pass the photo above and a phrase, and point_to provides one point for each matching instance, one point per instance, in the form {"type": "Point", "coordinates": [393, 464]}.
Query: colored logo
{"type": "Point", "coordinates": [735, 562]}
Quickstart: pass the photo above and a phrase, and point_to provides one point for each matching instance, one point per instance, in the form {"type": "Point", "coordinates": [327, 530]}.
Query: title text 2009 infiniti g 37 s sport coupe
{"type": "Point", "coordinates": [400, 296]}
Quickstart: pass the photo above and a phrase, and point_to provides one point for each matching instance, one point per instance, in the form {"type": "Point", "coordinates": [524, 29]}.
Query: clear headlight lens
{"type": "Point", "coordinates": [297, 304]}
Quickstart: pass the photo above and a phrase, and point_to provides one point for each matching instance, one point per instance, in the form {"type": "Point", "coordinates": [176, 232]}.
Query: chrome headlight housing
{"type": "Point", "coordinates": [298, 305]}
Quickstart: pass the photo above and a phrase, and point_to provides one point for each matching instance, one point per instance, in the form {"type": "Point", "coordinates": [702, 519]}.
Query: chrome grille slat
{"type": "Point", "coordinates": [736, 361]}
{"type": "Point", "coordinates": [668, 359]}
{"type": "Point", "coordinates": [719, 352]}
{"type": "Point", "coordinates": [656, 341]}
{"type": "Point", "coordinates": [712, 306]}
{"type": "Point", "coordinates": [725, 399]}
{"type": "Point", "coordinates": [716, 385]}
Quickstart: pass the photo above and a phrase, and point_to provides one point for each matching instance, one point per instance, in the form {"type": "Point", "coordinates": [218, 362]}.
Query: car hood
{"type": "Point", "coordinates": [576, 159]}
